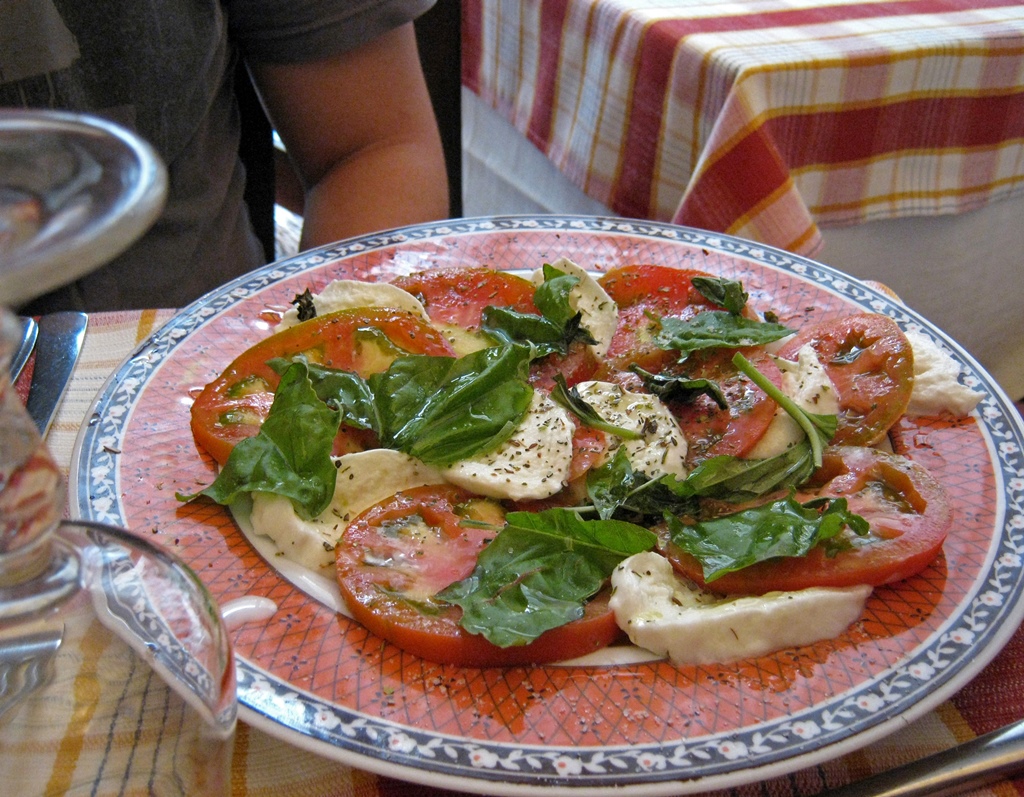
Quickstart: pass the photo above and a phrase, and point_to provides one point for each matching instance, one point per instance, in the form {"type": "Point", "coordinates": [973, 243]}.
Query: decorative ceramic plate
{"type": "Point", "coordinates": [314, 678]}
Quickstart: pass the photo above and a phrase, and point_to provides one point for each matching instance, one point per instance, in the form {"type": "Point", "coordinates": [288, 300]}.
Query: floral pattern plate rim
{"type": "Point", "coordinates": [315, 679]}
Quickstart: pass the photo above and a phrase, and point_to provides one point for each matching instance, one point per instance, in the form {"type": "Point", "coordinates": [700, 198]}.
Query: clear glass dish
{"type": "Point", "coordinates": [116, 672]}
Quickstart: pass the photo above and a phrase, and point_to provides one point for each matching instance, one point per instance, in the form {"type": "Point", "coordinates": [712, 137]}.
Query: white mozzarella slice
{"type": "Point", "coordinates": [463, 341]}
{"type": "Point", "coordinates": [937, 387]}
{"type": "Point", "coordinates": [661, 449]}
{"type": "Point", "coordinates": [352, 294]}
{"type": "Point", "coordinates": [806, 382]}
{"type": "Point", "coordinates": [669, 617]}
{"type": "Point", "coordinates": [364, 479]}
{"type": "Point", "coordinates": [600, 314]}
{"type": "Point", "coordinates": [532, 464]}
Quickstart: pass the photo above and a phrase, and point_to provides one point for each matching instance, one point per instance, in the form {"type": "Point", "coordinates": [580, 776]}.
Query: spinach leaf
{"type": "Point", "coordinates": [539, 571]}
{"type": "Point", "coordinates": [715, 329]}
{"type": "Point", "coordinates": [291, 453]}
{"type": "Point", "coordinates": [781, 528]}
{"type": "Point", "coordinates": [723, 292]}
{"type": "Point", "coordinates": [554, 330]}
{"type": "Point", "coordinates": [442, 410]}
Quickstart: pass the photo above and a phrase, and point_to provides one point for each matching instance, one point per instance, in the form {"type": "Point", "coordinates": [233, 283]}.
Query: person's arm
{"type": "Point", "coordinates": [360, 130]}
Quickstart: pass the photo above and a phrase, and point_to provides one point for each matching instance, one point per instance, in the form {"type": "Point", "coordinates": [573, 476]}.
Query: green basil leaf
{"type": "Point", "coordinates": [716, 329]}
{"type": "Point", "coordinates": [820, 429]}
{"type": "Point", "coordinates": [614, 488]}
{"type": "Point", "coordinates": [342, 390]}
{"type": "Point", "coordinates": [305, 305]}
{"type": "Point", "coordinates": [553, 294]}
{"type": "Point", "coordinates": [570, 399]}
{"type": "Point", "coordinates": [291, 453]}
{"type": "Point", "coordinates": [442, 409]}
{"type": "Point", "coordinates": [611, 484]}
{"type": "Point", "coordinates": [510, 327]}
{"type": "Point", "coordinates": [723, 292]}
{"type": "Point", "coordinates": [539, 571]}
{"type": "Point", "coordinates": [738, 480]}
{"type": "Point", "coordinates": [783, 528]}
{"type": "Point", "coordinates": [554, 330]}
{"type": "Point", "coordinates": [680, 388]}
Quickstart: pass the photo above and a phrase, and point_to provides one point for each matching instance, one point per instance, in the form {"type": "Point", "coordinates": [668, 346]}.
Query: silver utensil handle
{"type": "Point", "coordinates": [969, 765]}
{"type": "Point", "coordinates": [58, 344]}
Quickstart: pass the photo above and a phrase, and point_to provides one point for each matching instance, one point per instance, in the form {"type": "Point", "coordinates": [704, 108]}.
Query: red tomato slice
{"type": "Point", "coordinates": [589, 449]}
{"type": "Point", "coordinates": [234, 405]}
{"type": "Point", "coordinates": [645, 292]}
{"type": "Point", "coordinates": [908, 512]}
{"type": "Point", "coordinates": [396, 556]}
{"type": "Point", "coordinates": [712, 431]}
{"type": "Point", "coordinates": [642, 291]}
{"type": "Point", "coordinates": [578, 365]}
{"type": "Point", "coordinates": [662, 287]}
{"type": "Point", "coordinates": [871, 364]}
{"type": "Point", "coordinates": [458, 295]}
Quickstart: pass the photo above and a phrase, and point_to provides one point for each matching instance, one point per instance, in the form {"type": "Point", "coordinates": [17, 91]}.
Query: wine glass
{"type": "Point", "coordinates": [116, 672]}
{"type": "Point", "coordinates": [75, 191]}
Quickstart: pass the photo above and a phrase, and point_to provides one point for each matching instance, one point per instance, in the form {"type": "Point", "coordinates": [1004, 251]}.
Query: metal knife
{"type": "Point", "coordinates": [58, 345]}
{"type": "Point", "coordinates": [999, 754]}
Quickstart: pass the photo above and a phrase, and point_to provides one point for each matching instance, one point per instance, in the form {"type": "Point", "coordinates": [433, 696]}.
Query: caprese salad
{"type": "Point", "coordinates": [503, 470]}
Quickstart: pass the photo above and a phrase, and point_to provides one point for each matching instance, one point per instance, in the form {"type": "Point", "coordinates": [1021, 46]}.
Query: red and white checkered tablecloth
{"type": "Point", "coordinates": [765, 118]}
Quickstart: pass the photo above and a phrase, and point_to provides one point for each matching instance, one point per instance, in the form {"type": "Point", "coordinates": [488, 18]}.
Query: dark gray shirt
{"type": "Point", "coordinates": [165, 69]}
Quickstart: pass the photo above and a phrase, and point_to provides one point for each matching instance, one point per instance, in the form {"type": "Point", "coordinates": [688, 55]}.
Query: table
{"type": "Point", "coordinates": [264, 765]}
{"type": "Point", "coordinates": [884, 138]}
